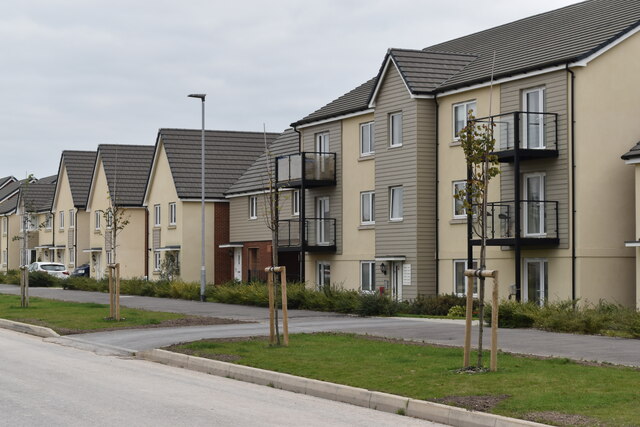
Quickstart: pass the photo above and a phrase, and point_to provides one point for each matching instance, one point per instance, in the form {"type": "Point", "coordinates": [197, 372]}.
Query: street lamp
{"type": "Point", "coordinates": [203, 268]}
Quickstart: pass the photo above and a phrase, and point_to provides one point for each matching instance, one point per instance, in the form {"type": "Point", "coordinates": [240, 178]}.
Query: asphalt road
{"type": "Point", "coordinates": [44, 384]}
{"type": "Point", "coordinates": [443, 332]}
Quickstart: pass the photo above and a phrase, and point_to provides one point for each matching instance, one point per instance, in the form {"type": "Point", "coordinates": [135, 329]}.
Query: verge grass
{"type": "Point", "coordinates": [68, 317]}
{"type": "Point", "coordinates": [608, 394]}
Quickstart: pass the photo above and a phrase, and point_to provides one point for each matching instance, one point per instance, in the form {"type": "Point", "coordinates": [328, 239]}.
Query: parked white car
{"type": "Point", "coordinates": [52, 268]}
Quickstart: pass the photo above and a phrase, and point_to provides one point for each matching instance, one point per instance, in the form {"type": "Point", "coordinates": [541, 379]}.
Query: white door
{"type": "Point", "coordinates": [237, 264]}
{"type": "Point", "coordinates": [97, 266]}
{"type": "Point", "coordinates": [534, 215]}
{"type": "Point", "coordinates": [323, 228]}
{"type": "Point", "coordinates": [533, 102]}
{"type": "Point", "coordinates": [322, 142]}
{"type": "Point", "coordinates": [396, 280]}
{"type": "Point", "coordinates": [535, 281]}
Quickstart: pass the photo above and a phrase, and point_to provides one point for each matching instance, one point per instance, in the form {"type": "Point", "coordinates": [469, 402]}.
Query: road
{"type": "Point", "coordinates": [44, 384]}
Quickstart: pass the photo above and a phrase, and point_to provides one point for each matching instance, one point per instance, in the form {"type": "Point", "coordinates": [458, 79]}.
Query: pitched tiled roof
{"type": "Point", "coordinates": [256, 177]}
{"type": "Point", "coordinates": [127, 168]}
{"type": "Point", "coordinates": [38, 196]}
{"type": "Point", "coordinates": [557, 37]}
{"type": "Point", "coordinates": [9, 205]}
{"type": "Point", "coordinates": [6, 180]}
{"type": "Point", "coordinates": [351, 102]}
{"type": "Point", "coordinates": [79, 166]}
{"type": "Point", "coordinates": [9, 189]}
{"type": "Point", "coordinates": [228, 154]}
{"type": "Point", "coordinates": [633, 153]}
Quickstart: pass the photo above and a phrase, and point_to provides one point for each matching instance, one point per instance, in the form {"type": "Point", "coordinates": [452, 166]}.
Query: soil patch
{"type": "Point", "coordinates": [561, 419]}
{"type": "Point", "coordinates": [172, 323]}
{"type": "Point", "coordinates": [475, 403]}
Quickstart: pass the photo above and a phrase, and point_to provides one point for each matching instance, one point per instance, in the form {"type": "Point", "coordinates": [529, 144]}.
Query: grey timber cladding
{"type": "Point", "coordinates": [256, 176]}
{"type": "Point", "coordinates": [243, 229]}
{"type": "Point", "coordinates": [633, 153]}
{"type": "Point", "coordinates": [79, 166]}
{"type": "Point", "coordinates": [126, 168]}
{"type": "Point", "coordinates": [228, 155]}
{"type": "Point", "coordinates": [556, 170]}
{"type": "Point", "coordinates": [411, 166]}
{"type": "Point", "coordinates": [552, 38]}
{"type": "Point", "coordinates": [351, 102]}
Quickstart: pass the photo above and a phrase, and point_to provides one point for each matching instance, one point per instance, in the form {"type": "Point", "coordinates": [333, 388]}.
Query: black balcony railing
{"type": "Point", "coordinates": [310, 168]}
{"type": "Point", "coordinates": [530, 135]}
{"type": "Point", "coordinates": [319, 234]}
{"type": "Point", "coordinates": [538, 223]}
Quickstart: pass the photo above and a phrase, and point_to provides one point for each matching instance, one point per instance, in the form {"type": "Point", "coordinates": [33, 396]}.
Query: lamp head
{"type": "Point", "coordinates": [197, 95]}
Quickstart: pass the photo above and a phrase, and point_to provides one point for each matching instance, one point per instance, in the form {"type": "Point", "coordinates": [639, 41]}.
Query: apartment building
{"type": "Point", "coordinates": [69, 205]}
{"type": "Point", "coordinates": [119, 180]}
{"type": "Point", "coordinates": [173, 200]}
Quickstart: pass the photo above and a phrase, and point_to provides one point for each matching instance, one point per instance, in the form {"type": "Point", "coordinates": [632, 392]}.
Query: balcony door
{"type": "Point", "coordinates": [534, 214]}
{"type": "Point", "coordinates": [323, 229]}
{"type": "Point", "coordinates": [533, 135]}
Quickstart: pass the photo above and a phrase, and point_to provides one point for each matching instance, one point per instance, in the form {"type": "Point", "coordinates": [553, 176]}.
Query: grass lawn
{"type": "Point", "coordinates": [552, 388]}
{"type": "Point", "coordinates": [69, 317]}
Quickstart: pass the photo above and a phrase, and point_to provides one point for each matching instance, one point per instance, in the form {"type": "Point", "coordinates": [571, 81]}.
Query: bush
{"type": "Point", "coordinates": [437, 305]}
{"type": "Point", "coordinates": [375, 304]}
{"type": "Point", "coordinates": [11, 277]}
{"type": "Point", "coordinates": [512, 314]}
{"type": "Point", "coordinates": [39, 279]}
{"type": "Point", "coordinates": [457, 311]}
{"type": "Point", "coordinates": [81, 283]}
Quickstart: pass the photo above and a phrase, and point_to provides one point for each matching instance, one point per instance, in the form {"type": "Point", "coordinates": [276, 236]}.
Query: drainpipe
{"type": "Point", "coordinates": [573, 185]}
{"type": "Point", "coordinates": [437, 249]}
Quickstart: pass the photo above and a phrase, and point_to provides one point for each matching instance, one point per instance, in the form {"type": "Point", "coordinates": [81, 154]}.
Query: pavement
{"type": "Point", "coordinates": [437, 331]}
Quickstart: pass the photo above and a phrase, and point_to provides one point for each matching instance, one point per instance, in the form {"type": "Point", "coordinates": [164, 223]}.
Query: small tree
{"type": "Point", "coordinates": [478, 143]}
{"type": "Point", "coordinates": [28, 224]}
{"type": "Point", "coordinates": [170, 267]}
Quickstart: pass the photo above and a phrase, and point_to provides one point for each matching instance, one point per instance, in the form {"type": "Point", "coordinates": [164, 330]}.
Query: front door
{"type": "Point", "coordinates": [396, 280]}
{"type": "Point", "coordinates": [237, 264]}
{"type": "Point", "coordinates": [97, 266]}
{"type": "Point", "coordinates": [323, 230]}
{"type": "Point", "coordinates": [534, 214]}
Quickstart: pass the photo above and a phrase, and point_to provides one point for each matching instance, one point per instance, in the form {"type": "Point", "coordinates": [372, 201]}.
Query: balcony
{"type": "Point", "coordinates": [524, 135]}
{"type": "Point", "coordinates": [538, 224]}
{"type": "Point", "coordinates": [306, 169]}
{"type": "Point", "coordinates": [319, 235]}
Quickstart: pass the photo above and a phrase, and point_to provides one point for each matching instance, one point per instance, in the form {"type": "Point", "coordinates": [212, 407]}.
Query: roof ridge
{"type": "Point", "coordinates": [218, 130]}
{"type": "Point", "coordinates": [440, 52]}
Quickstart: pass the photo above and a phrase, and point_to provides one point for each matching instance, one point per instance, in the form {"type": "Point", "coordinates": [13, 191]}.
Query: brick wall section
{"type": "Point", "coordinates": [263, 259]}
{"type": "Point", "coordinates": [223, 263]}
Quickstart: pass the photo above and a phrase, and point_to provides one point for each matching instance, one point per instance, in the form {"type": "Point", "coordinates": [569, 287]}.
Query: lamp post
{"type": "Point", "coordinates": [203, 268]}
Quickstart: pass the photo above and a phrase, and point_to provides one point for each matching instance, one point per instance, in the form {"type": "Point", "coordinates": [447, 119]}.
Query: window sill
{"type": "Point", "coordinates": [172, 227]}
{"type": "Point", "coordinates": [455, 144]}
{"type": "Point", "coordinates": [458, 221]}
{"type": "Point", "coordinates": [396, 219]}
{"type": "Point", "coordinates": [394, 146]}
{"type": "Point", "coordinates": [365, 158]}
{"type": "Point", "coordinates": [253, 219]}
{"type": "Point", "coordinates": [367, 226]}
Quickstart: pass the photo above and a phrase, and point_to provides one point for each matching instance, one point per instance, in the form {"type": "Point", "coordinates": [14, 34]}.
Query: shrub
{"type": "Point", "coordinates": [138, 286]}
{"type": "Point", "coordinates": [512, 314]}
{"type": "Point", "coordinates": [184, 290]}
{"type": "Point", "coordinates": [457, 311]}
{"type": "Point", "coordinates": [11, 277]}
{"type": "Point", "coordinates": [86, 284]}
{"type": "Point", "coordinates": [375, 304]}
{"type": "Point", "coordinates": [39, 279]}
{"type": "Point", "coordinates": [437, 305]}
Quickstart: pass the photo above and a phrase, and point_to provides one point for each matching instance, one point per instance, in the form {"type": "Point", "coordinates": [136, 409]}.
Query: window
{"type": "Point", "coordinates": [173, 214]}
{"type": "Point", "coordinates": [324, 274]}
{"type": "Point", "coordinates": [459, 280]}
{"type": "Point", "coordinates": [253, 207]}
{"type": "Point", "coordinates": [461, 115]}
{"type": "Point", "coordinates": [72, 256]}
{"type": "Point", "coordinates": [72, 218]}
{"type": "Point", "coordinates": [322, 142]}
{"type": "Point", "coordinates": [368, 276]}
{"type": "Point", "coordinates": [5, 226]}
{"type": "Point", "coordinates": [110, 257]}
{"type": "Point", "coordinates": [395, 130]}
{"type": "Point", "coordinates": [156, 261]}
{"type": "Point", "coordinates": [395, 203]}
{"type": "Point", "coordinates": [47, 221]}
{"type": "Point", "coordinates": [534, 214]}
{"type": "Point", "coordinates": [28, 222]}
{"type": "Point", "coordinates": [98, 217]}
{"type": "Point", "coordinates": [109, 219]}
{"type": "Point", "coordinates": [536, 283]}
{"type": "Point", "coordinates": [459, 211]}
{"type": "Point", "coordinates": [4, 257]}
{"type": "Point", "coordinates": [296, 202]}
{"type": "Point", "coordinates": [533, 124]}
{"type": "Point", "coordinates": [156, 215]}
{"type": "Point", "coordinates": [61, 220]}
{"type": "Point", "coordinates": [367, 139]}
{"type": "Point", "coordinates": [367, 207]}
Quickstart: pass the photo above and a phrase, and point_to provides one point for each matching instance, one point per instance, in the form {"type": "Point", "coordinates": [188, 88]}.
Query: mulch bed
{"type": "Point", "coordinates": [475, 403]}
{"type": "Point", "coordinates": [560, 419]}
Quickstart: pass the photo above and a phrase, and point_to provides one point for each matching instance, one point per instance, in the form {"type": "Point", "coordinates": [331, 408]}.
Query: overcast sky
{"type": "Point", "coordinates": [77, 73]}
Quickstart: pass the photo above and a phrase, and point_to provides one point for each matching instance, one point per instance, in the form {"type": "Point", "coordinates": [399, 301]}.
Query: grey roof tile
{"type": "Point", "coordinates": [228, 154]}
{"type": "Point", "coordinates": [79, 166]}
{"type": "Point", "coordinates": [38, 196]}
{"type": "Point", "coordinates": [127, 168]}
{"type": "Point", "coordinates": [6, 180]}
{"type": "Point", "coordinates": [256, 177]}
{"type": "Point", "coordinates": [634, 153]}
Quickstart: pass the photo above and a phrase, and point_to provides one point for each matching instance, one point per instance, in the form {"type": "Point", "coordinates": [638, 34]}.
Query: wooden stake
{"type": "Point", "coordinates": [117, 293]}
{"type": "Point", "coordinates": [272, 326]}
{"type": "Point", "coordinates": [285, 319]}
{"type": "Point", "coordinates": [467, 325]}
{"type": "Point", "coordinates": [111, 307]}
{"type": "Point", "coordinates": [494, 325]}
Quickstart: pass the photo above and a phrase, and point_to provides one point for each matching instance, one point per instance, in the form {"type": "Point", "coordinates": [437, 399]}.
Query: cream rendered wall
{"type": "Point", "coordinates": [636, 236]}
{"type": "Point", "coordinates": [191, 237]}
{"type": "Point", "coordinates": [358, 243]}
{"type": "Point", "coordinates": [607, 103]}
{"type": "Point", "coordinates": [45, 237]}
{"type": "Point", "coordinates": [130, 242]}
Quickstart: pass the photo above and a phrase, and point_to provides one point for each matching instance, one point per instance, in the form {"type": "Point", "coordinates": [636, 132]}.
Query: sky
{"type": "Point", "coordinates": [78, 73]}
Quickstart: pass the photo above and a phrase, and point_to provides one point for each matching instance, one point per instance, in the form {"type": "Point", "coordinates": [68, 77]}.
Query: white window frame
{"type": "Point", "coordinates": [72, 256]}
{"type": "Point", "coordinates": [157, 219]}
{"type": "Point", "coordinates": [295, 203]}
{"type": "Point", "coordinates": [467, 106]}
{"type": "Point", "coordinates": [109, 219]}
{"type": "Point", "coordinates": [72, 218]}
{"type": "Point", "coordinates": [525, 119]}
{"type": "Point", "coordinates": [466, 281]}
{"type": "Point", "coordinates": [368, 198]}
{"type": "Point", "coordinates": [456, 202]}
{"type": "Point", "coordinates": [5, 225]}
{"type": "Point", "coordinates": [48, 220]}
{"type": "Point", "coordinates": [392, 194]}
{"type": "Point", "coordinates": [322, 142]}
{"type": "Point", "coordinates": [173, 213]}
{"type": "Point", "coordinates": [109, 257]}
{"type": "Point", "coordinates": [253, 207]}
{"type": "Point", "coordinates": [322, 267]}
{"type": "Point", "coordinates": [157, 261]}
{"type": "Point", "coordinates": [367, 148]}
{"type": "Point", "coordinates": [392, 141]}
{"type": "Point", "coordinates": [371, 269]}
{"type": "Point", "coordinates": [61, 220]}
{"type": "Point", "coordinates": [544, 277]}
{"type": "Point", "coordinates": [541, 207]}
{"type": "Point", "coordinates": [97, 217]}
{"type": "Point", "coordinates": [4, 257]}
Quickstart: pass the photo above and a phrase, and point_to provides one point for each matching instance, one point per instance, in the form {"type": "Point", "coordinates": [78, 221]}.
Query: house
{"type": "Point", "coordinates": [9, 226]}
{"type": "Point", "coordinates": [118, 183]}
{"type": "Point", "coordinates": [173, 199]}
{"type": "Point", "coordinates": [4, 181]}
{"type": "Point", "coordinates": [632, 157]}
{"type": "Point", "coordinates": [69, 205]}
{"type": "Point", "coordinates": [560, 118]}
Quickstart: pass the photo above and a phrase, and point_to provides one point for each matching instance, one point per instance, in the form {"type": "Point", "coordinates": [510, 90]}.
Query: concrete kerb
{"type": "Point", "coordinates": [25, 328]}
{"type": "Point", "coordinates": [353, 395]}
